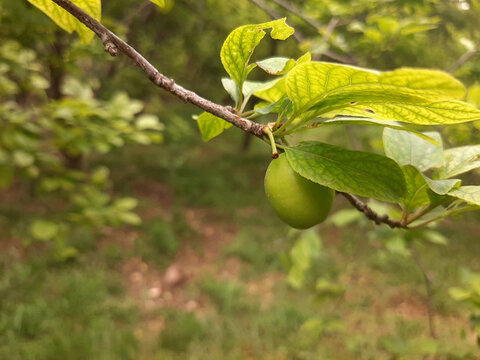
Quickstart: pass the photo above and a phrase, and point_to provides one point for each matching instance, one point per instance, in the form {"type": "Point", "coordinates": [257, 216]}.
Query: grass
{"type": "Point", "coordinates": [243, 307]}
{"type": "Point", "coordinates": [72, 312]}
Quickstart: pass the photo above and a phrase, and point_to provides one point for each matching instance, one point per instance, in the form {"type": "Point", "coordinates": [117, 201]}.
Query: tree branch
{"type": "Point", "coordinates": [113, 44]}
{"type": "Point", "coordinates": [372, 215]}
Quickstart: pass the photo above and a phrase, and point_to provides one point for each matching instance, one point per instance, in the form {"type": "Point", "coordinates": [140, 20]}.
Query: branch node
{"type": "Point", "coordinates": [372, 215]}
{"type": "Point", "coordinates": [169, 83]}
{"type": "Point", "coordinates": [110, 47]}
{"type": "Point", "coordinates": [231, 109]}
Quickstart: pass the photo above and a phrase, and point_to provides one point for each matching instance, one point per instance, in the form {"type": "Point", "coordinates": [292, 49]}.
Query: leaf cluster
{"type": "Point", "coordinates": [415, 173]}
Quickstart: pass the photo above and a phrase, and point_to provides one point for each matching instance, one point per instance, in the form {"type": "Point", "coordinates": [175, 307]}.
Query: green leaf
{"type": "Point", "coordinates": [276, 65]}
{"type": "Point", "coordinates": [331, 89]}
{"type": "Point", "coordinates": [442, 187]}
{"type": "Point", "coordinates": [277, 89]}
{"type": "Point", "coordinates": [473, 96]}
{"type": "Point", "coordinates": [273, 93]}
{"type": "Point", "coordinates": [357, 172]}
{"type": "Point", "coordinates": [160, 3]}
{"type": "Point", "coordinates": [419, 188]}
{"type": "Point", "coordinates": [211, 125]}
{"type": "Point", "coordinates": [409, 149]}
{"type": "Point", "coordinates": [388, 103]}
{"type": "Point", "coordinates": [231, 88]}
{"type": "Point", "coordinates": [358, 120]}
{"type": "Point", "coordinates": [44, 230]}
{"type": "Point", "coordinates": [469, 194]}
{"type": "Point", "coordinates": [67, 21]}
{"type": "Point", "coordinates": [459, 160]}
{"type": "Point", "coordinates": [425, 79]}
{"type": "Point", "coordinates": [308, 83]}
{"type": "Point", "coordinates": [416, 194]}
{"type": "Point", "coordinates": [250, 87]}
{"type": "Point", "coordinates": [240, 44]}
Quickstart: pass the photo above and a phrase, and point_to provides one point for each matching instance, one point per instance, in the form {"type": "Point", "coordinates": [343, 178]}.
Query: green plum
{"type": "Point", "coordinates": [297, 201]}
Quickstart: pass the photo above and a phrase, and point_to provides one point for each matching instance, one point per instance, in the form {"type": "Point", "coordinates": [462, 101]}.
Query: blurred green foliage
{"type": "Point", "coordinates": [76, 135]}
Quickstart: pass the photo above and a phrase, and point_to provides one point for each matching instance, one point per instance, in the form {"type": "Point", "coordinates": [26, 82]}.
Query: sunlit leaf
{"type": "Point", "coordinates": [357, 172]}
{"type": "Point", "coordinates": [250, 87]}
{"type": "Point", "coordinates": [384, 102]}
{"type": "Point", "coordinates": [357, 120]}
{"type": "Point", "coordinates": [442, 187]}
{"type": "Point", "coordinates": [425, 79]}
{"type": "Point", "coordinates": [273, 93]}
{"type": "Point", "coordinates": [240, 44]}
{"type": "Point", "coordinates": [67, 21]}
{"type": "Point", "coordinates": [473, 95]}
{"type": "Point", "coordinates": [276, 90]}
{"type": "Point", "coordinates": [308, 83]}
{"type": "Point", "coordinates": [459, 160]}
{"type": "Point", "coordinates": [407, 95]}
{"type": "Point", "coordinates": [469, 194]}
{"type": "Point", "coordinates": [276, 65]}
{"type": "Point", "coordinates": [409, 149]}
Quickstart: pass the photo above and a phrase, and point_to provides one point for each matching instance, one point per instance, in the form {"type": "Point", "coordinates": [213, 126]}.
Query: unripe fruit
{"type": "Point", "coordinates": [299, 202]}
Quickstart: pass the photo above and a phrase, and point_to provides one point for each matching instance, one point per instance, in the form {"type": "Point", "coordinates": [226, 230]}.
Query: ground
{"type": "Point", "coordinates": [204, 277]}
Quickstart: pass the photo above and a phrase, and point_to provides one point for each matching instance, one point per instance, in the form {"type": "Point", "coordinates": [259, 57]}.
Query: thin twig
{"type": "Point", "coordinates": [329, 30]}
{"type": "Point", "coordinates": [294, 10]}
{"type": "Point", "coordinates": [369, 213]}
{"type": "Point", "coordinates": [428, 286]}
{"type": "Point", "coordinates": [113, 44]}
{"type": "Point", "coordinates": [300, 37]}
{"type": "Point", "coordinates": [463, 59]}
{"type": "Point", "coordinates": [318, 28]}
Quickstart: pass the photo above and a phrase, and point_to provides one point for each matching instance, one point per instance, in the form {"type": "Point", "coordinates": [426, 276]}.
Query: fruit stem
{"type": "Point", "coordinates": [267, 131]}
